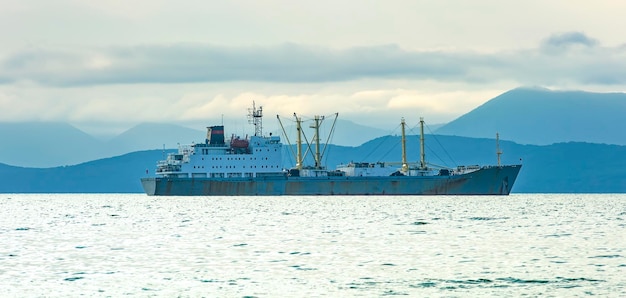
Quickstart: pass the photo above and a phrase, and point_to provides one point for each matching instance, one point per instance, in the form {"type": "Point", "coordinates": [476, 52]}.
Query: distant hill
{"type": "Point", "coordinates": [50, 144]}
{"type": "Point", "coordinates": [148, 136]}
{"type": "Point", "coordinates": [571, 167]}
{"type": "Point", "coordinates": [119, 174]}
{"type": "Point", "coordinates": [541, 116]}
{"type": "Point", "coordinates": [46, 144]}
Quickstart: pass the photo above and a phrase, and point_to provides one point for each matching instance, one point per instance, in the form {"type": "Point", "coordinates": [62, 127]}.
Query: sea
{"type": "Point", "coordinates": [113, 245]}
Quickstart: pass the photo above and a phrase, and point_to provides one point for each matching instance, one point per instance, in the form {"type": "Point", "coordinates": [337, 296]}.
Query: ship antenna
{"type": "Point", "coordinates": [256, 117]}
{"type": "Point", "coordinates": [498, 151]}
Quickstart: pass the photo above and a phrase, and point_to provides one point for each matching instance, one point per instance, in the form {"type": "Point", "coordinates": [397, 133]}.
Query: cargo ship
{"type": "Point", "coordinates": [253, 166]}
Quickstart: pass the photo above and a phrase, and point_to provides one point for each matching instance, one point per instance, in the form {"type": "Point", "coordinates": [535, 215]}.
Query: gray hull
{"type": "Point", "coordinates": [486, 181]}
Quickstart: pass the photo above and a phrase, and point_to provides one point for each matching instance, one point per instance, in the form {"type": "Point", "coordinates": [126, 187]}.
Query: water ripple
{"type": "Point", "coordinates": [437, 246]}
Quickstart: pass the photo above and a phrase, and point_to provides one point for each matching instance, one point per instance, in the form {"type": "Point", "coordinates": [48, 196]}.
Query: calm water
{"type": "Point", "coordinates": [114, 245]}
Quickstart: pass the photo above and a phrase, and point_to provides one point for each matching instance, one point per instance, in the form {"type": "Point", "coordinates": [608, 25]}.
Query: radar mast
{"type": "Point", "coordinates": [256, 117]}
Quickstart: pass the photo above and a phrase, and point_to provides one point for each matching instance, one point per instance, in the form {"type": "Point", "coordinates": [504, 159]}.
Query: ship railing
{"type": "Point", "coordinates": [362, 165]}
{"type": "Point", "coordinates": [169, 162]}
{"type": "Point", "coordinates": [466, 169]}
{"type": "Point", "coordinates": [168, 169]}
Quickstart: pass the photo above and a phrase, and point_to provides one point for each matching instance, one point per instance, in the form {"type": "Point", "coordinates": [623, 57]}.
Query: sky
{"type": "Point", "coordinates": [106, 65]}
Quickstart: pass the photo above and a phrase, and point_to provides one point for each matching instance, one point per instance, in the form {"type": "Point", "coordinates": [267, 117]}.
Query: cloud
{"type": "Point", "coordinates": [569, 39]}
{"type": "Point", "coordinates": [295, 63]}
{"type": "Point", "coordinates": [196, 83]}
{"type": "Point", "coordinates": [195, 105]}
{"type": "Point", "coordinates": [207, 63]}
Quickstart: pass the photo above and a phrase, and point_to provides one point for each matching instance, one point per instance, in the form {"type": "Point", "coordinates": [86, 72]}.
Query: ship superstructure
{"type": "Point", "coordinates": [217, 157]}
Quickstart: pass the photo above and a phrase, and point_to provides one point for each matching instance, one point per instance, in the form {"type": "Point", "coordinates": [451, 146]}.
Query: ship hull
{"type": "Point", "coordinates": [496, 180]}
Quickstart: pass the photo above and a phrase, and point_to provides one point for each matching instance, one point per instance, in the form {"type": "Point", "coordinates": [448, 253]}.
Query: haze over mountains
{"type": "Point", "coordinates": [45, 144]}
{"type": "Point", "coordinates": [535, 116]}
{"type": "Point", "coordinates": [50, 144]}
{"type": "Point", "coordinates": [569, 141]}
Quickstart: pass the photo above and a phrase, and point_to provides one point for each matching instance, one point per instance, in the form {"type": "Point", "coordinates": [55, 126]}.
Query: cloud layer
{"type": "Point", "coordinates": [570, 57]}
{"type": "Point", "coordinates": [192, 82]}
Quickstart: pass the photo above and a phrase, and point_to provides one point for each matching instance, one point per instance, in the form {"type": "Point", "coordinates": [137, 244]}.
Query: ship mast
{"type": "Point", "coordinates": [316, 126]}
{"type": "Point", "coordinates": [405, 166]}
{"type": "Point", "coordinates": [422, 151]}
{"type": "Point", "coordinates": [256, 117]}
{"type": "Point", "coordinates": [298, 142]}
{"type": "Point", "coordinates": [498, 151]}
{"type": "Point", "coordinates": [299, 154]}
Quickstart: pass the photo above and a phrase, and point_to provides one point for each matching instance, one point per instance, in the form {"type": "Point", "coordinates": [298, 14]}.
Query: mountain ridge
{"type": "Point", "coordinates": [543, 116]}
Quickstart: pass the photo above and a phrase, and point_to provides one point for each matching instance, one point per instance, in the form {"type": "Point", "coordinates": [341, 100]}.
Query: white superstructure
{"type": "Point", "coordinates": [220, 158]}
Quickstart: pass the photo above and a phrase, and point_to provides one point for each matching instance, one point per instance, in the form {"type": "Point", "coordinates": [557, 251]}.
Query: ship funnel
{"type": "Point", "coordinates": [215, 135]}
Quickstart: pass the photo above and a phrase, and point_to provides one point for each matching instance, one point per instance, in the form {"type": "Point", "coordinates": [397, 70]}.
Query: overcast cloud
{"type": "Point", "coordinates": [570, 57]}
{"type": "Point", "coordinates": [110, 64]}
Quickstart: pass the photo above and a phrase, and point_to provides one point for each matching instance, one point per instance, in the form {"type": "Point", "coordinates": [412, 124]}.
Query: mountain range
{"type": "Point", "coordinates": [568, 141]}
